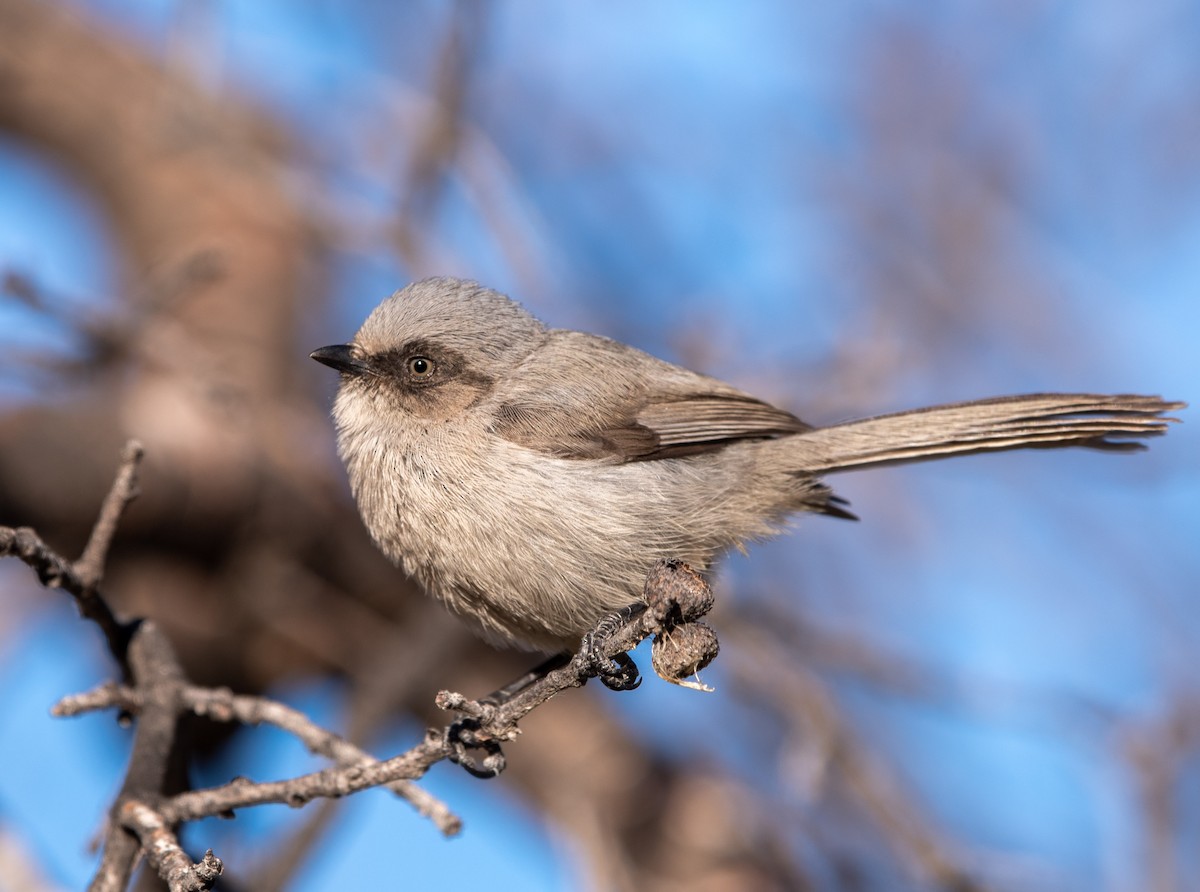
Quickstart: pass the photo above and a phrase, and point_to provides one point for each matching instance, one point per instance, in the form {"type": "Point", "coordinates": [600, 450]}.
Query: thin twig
{"type": "Point", "coordinates": [55, 571]}
{"type": "Point", "coordinates": [81, 578]}
{"type": "Point", "coordinates": [221, 704]}
{"type": "Point", "coordinates": [483, 726]}
{"type": "Point", "coordinates": [109, 695]}
{"type": "Point", "coordinates": [90, 566]}
{"type": "Point", "coordinates": [164, 853]}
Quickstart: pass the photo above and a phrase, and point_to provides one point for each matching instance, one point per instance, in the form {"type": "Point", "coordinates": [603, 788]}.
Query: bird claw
{"type": "Point", "coordinates": [619, 673]}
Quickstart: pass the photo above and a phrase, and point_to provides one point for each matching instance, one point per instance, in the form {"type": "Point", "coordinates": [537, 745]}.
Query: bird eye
{"type": "Point", "coordinates": [419, 366]}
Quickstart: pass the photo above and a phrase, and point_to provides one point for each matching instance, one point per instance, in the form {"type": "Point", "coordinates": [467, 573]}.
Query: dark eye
{"type": "Point", "coordinates": [419, 366]}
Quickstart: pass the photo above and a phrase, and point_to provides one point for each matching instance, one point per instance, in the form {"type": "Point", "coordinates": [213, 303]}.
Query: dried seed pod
{"type": "Point", "coordinates": [676, 593]}
{"type": "Point", "coordinates": [682, 652]}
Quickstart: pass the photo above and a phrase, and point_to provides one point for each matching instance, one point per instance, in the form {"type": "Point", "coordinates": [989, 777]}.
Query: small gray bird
{"type": "Point", "coordinates": [530, 477]}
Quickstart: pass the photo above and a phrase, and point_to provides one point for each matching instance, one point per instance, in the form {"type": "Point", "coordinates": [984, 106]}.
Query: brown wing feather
{"type": "Point", "coordinates": [702, 421]}
{"type": "Point", "coordinates": [621, 405]}
{"type": "Point", "coordinates": [669, 427]}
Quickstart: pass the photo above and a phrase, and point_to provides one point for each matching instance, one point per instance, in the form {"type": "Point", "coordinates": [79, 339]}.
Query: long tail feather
{"type": "Point", "coordinates": [1010, 422]}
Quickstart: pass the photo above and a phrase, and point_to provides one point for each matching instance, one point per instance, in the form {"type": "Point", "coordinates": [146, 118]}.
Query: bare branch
{"type": "Point", "coordinates": [90, 566]}
{"type": "Point", "coordinates": [164, 853]}
{"type": "Point", "coordinates": [55, 571]}
{"type": "Point", "coordinates": [117, 860]}
{"type": "Point", "coordinates": [81, 578]}
{"type": "Point", "coordinates": [221, 704]}
{"type": "Point", "coordinates": [483, 726]}
{"type": "Point", "coordinates": [109, 695]}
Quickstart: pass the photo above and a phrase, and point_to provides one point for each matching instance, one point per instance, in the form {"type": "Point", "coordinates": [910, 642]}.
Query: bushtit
{"type": "Point", "coordinates": [530, 477]}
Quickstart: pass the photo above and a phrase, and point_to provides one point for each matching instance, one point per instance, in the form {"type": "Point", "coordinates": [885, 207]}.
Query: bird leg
{"type": "Point", "coordinates": [620, 672]}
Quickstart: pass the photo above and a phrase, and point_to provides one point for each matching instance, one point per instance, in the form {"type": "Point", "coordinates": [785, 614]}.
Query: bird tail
{"type": "Point", "coordinates": [1009, 422]}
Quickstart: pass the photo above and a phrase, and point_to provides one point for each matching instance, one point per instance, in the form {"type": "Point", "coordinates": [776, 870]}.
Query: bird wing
{"type": "Point", "coordinates": [622, 405]}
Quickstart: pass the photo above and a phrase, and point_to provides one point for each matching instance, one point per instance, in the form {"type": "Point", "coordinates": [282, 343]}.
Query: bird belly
{"type": "Point", "coordinates": [535, 550]}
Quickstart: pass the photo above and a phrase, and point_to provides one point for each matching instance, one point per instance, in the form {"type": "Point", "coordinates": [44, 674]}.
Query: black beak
{"type": "Point", "coordinates": [340, 357]}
